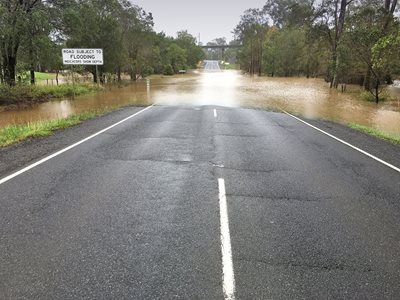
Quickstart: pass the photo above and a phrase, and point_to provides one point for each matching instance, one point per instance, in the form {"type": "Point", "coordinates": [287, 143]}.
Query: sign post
{"type": "Point", "coordinates": [86, 57]}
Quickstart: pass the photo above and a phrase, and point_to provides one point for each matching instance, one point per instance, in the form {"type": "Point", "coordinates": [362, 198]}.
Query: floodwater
{"type": "Point", "coordinates": [310, 98]}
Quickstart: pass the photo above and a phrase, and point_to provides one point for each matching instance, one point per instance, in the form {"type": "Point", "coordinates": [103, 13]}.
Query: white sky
{"type": "Point", "coordinates": [211, 18]}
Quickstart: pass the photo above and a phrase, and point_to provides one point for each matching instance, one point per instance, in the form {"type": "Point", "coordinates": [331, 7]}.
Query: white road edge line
{"type": "Point", "coordinates": [215, 113]}
{"type": "Point", "coordinates": [5, 179]}
{"type": "Point", "coordinates": [346, 143]}
{"type": "Point", "coordinates": [228, 277]}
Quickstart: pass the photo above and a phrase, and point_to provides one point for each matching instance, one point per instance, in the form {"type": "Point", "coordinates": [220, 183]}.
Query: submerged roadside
{"type": "Point", "coordinates": [393, 138]}
{"type": "Point", "coordinates": [23, 95]}
{"type": "Point", "coordinates": [16, 133]}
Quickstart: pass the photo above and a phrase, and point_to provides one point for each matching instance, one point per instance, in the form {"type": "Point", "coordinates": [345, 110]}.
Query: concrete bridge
{"type": "Point", "coordinates": [222, 47]}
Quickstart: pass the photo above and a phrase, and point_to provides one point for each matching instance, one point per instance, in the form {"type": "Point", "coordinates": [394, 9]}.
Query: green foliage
{"type": "Point", "coordinates": [148, 70]}
{"type": "Point", "coordinates": [194, 54]}
{"type": "Point", "coordinates": [344, 41]}
{"type": "Point", "coordinates": [384, 95]}
{"type": "Point", "coordinates": [386, 53]}
{"type": "Point", "coordinates": [176, 57]}
{"type": "Point", "coordinates": [251, 32]}
{"type": "Point", "coordinates": [168, 70]}
{"type": "Point", "coordinates": [32, 34]}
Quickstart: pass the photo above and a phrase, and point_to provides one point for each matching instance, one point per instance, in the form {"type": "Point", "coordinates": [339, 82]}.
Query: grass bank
{"type": "Point", "coordinates": [16, 133]}
{"type": "Point", "coordinates": [393, 138]}
{"type": "Point", "coordinates": [26, 94]}
{"type": "Point", "coordinates": [42, 76]}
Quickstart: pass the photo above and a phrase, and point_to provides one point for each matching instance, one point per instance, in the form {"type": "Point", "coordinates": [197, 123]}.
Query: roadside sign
{"type": "Point", "coordinates": [83, 57]}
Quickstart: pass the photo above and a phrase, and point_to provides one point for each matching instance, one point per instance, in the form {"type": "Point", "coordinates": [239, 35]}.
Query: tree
{"type": "Point", "coordinates": [177, 57]}
{"type": "Point", "coordinates": [371, 26]}
{"type": "Point", "coordinates": [188, 42]}
{"type": "Point", "coordinates": [285, 13]}
{"type": "Point", "coordinates": [331, 17]}
{"type": "Point", "coordinates": [251, 32]}
{"type": "Point", "coordinates": [13, 28]}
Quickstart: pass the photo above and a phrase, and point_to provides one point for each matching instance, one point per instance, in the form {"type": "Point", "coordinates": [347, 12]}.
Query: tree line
{"type": "Point", "coordinates": [345, 41]}
{"type": "Point", "coordinates": [33, 32]}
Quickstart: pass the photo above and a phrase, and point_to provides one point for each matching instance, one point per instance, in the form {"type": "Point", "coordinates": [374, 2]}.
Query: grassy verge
{"type": "Point", "coordinates": [393, 138]}
{"type": "Point", "coordinates": [16, 133]}
{"type": "Point", "coordinates": [22, 94]}
{"type": "Point", "coordinates": [42, 75]}
{"type": "Point", "coordinates": [229, 67]}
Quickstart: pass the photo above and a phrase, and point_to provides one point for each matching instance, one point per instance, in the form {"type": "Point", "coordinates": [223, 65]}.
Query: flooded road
{"type": "Point", "coordinates": [310, 98]}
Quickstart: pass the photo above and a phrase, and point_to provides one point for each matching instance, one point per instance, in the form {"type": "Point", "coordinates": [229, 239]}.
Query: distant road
{"type": "Point", "coordinates": [159, 205]}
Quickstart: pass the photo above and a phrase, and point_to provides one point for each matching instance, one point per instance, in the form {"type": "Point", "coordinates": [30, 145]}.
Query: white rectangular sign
{"type": "Point", "coordinates": [82, 56]}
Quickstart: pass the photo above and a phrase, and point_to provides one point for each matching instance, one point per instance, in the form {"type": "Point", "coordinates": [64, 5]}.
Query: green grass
{"type": "Point", "coordinates": [229, 67]}
{"type": "Point", "coordinates": [33, 93]}
{"type": "Point", "coordinates": [16, 133]}
{"type": "Point", "coordinates": [43, 76]}
{"type": "Point", "coordinates": [67, 90]}
{"type": "Point", "coordinates": [393, 138]}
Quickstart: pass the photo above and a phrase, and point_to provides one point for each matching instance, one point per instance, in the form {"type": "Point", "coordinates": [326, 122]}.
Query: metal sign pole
{"type": "Point", "coordinates": [73, 81]}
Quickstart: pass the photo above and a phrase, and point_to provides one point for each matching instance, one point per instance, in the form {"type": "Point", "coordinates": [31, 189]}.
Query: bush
{"type": "Point", "coordinates": [383, 96]}
{"type": "Point", "coordinates": [168, 70]}
{"type": "Point", "coordinates": [148, 70]}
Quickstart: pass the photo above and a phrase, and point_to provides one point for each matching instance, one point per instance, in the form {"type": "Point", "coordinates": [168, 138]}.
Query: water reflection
{"type": "Point", "coordinates": [309, 97]}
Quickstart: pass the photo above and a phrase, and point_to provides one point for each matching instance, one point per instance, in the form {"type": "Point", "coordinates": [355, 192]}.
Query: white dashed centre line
{"type": "Point", "coordinates": [215, 113]}
{"type": "Point", "coordinates": [228, 278]}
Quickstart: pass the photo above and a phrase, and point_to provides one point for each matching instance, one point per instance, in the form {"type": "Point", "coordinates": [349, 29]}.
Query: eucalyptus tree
{"type": "Point", "coordinates": [251, 32]}
{"type": "Point", "coordinates": [13, 29]}
{"type": "Point", "coordinates": [139, 40]}
{"type": "Point", "coordinates": [331, 18]}
{"type": "Point", "coordinates": [290, 13]}
{"type": "Point", "coordinates": [194, 54]}
{"type": "Point", "coordinates": [371, 31]}
{"type": "Point", "coordinates": [95, 24]}
{"type": "Point", "coordinates": [37, 38]}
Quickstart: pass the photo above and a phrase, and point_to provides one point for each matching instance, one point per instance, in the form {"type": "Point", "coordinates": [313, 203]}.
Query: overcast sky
{"type": "Point", "coordinates": [211, 18]}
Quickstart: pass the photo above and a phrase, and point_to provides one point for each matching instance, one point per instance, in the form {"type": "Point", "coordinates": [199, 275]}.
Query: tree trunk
{"type": "Point", "coordinates": [335, 80]}
{"type": "Point", "coordinates": [133, 75]}
{"type": "Point", "coordinates": [95, 75]}
{"type": "Point", "coordinates": [333, 68]}
{"type": "Point", "coordinates": [57, 72]}
{"type": "Point", "coordinates": [339, 26]}
{"type": "Point", "coordinates": [9, 62]}
{"type": "Point", "coordinates": [32, 73]}
{"type": "Point", "coordinates": [1, 74]}
{"type": "Point", "coordinates": [260, 62]}
{"type": "Point", "coordinates": [31, 59]}
{"type": "Point", "coordinates": [367, 80]}
{"type": "Point", "coordinates": [119, 74]}
{"type": "Point", "coordinates": [377, 84]}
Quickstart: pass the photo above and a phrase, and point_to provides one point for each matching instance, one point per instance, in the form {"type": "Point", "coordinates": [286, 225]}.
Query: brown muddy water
{"type": "Point", "coordinates": [310, 98]}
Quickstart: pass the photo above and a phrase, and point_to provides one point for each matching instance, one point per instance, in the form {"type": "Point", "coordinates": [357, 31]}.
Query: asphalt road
{"type": "Point", "coordinates": [134, 213]}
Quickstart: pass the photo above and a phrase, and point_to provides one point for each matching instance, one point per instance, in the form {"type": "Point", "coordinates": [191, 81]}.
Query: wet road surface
{"type": "Point", "coordinates": [134, 213]}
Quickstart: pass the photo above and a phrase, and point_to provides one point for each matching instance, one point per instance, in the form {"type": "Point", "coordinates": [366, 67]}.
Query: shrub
{"type": "Point", "coordinates": [168, 70]}
{"type": "Point", "coordinates": [148, 70]}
